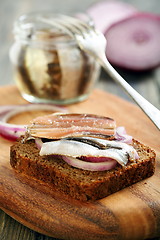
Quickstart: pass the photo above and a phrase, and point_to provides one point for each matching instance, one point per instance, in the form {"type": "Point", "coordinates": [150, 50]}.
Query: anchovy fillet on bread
{"type": "Point", "coordinates": [58, 162]}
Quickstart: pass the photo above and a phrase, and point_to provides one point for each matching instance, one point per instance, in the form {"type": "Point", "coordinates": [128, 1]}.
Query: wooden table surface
{"type": "Point", "coordinates": [146, 83]}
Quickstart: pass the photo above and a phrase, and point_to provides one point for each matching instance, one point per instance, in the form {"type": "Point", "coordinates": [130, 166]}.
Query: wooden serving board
{"type": "Point", "coordinates": [132, 213]}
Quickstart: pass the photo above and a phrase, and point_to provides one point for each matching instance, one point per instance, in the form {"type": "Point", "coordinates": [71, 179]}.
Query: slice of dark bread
{"type": "Point", "coordinates": [81, 184]}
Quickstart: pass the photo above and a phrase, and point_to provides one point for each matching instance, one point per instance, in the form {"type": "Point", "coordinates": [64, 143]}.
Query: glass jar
{"type": "Point", "coordinates": [49, 66]}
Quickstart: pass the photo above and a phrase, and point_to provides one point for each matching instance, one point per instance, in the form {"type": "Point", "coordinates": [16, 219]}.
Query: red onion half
{"type": "Point", "coordinates": [132, 37]}
{"type": "Point", "coordinates": [105, 13]}
{"type": "Point", "coordinates": [133, 43]}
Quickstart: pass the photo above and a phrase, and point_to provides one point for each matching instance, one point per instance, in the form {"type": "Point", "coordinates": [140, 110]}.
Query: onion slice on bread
{"type": "Point", "coordinates": [118, 151]}
{"type": "Point", "coordinates": [90, 166]}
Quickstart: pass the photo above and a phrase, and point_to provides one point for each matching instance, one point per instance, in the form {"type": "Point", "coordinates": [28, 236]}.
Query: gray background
{"type": "Point", "coordinates": [147, 83]}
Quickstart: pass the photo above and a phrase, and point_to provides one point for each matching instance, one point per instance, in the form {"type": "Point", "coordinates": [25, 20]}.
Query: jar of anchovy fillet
{"type": "Point", "coordinates": [48, 64]}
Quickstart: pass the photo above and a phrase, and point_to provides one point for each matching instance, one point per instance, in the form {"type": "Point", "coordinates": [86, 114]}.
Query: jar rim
{"type": "Point", "coordinates": [29, 28]}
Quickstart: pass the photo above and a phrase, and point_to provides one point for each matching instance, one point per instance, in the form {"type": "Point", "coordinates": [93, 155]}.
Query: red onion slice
{"type": "Point", "coordinates": [14, 131]}
{"type": "Point", "coordinates": [78, 149]}
{"type": "Point", "coordinates": [5, 109]}
{"type": "Point", "coordinates": [30, 107]}
{"type": "Point", "coordinates": [38, 142]}
{"type": "Point", "coordinates": [122, 136]}
{"type": "Point", "coordinates": [136, 154]}
{"type": "Point", "coordinates": [91, 166]}
{"type": "Point", "coordinates": [95, 159]}
{"type": "Point", "coordinates": [11, 131]}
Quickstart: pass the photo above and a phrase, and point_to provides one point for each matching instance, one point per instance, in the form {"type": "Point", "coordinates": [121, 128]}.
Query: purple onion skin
{"type": "Point", "coordinates": [12, 132]}
{"type": "Point", "coordinates": [95, 159]}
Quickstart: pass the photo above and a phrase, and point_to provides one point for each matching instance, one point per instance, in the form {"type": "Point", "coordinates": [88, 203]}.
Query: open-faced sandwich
{"type": "Point", "coordinates": [85, 156]}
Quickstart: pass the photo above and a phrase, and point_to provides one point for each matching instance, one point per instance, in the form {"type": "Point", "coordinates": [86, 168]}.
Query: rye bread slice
{"type": "Point", "coordinates": [81, 184]}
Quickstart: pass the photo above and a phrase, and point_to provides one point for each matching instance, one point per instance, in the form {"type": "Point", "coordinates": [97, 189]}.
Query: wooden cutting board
{"type": "Point", "coordinates": [132, 213]}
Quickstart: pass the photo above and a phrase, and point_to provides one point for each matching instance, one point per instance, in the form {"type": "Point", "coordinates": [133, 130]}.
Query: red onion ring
{"type": "Point", "coordinates": [94, 159]}
{"type": "Point", "coordinates": [11, 131]}
{"type": "Point", "coordinates": [38, 143]}
{"type": "Point", "coordinates": [91, 166]}
{"type": "Point", "coordinates": [14, 131]}
{"type": "Point", "coordinates": [105, 13]}
{"type": "Point", "coordinates": [29, 107]}
{"type": "Point", "coordinates": [136, 154]}
{"type": "Point", "coordinates": [122, 136]}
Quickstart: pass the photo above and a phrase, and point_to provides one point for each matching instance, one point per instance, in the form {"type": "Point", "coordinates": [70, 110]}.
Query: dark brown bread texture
{"type": "Point", "coordinates": [81, 184]}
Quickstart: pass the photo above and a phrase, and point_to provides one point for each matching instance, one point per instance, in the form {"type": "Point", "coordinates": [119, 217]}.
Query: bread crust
{"type": "Point", "coordinates": [81, 184]}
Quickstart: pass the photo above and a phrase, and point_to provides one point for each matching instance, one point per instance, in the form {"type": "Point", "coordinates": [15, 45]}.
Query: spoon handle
{"type": "Point", "coordinates": [151, 111]}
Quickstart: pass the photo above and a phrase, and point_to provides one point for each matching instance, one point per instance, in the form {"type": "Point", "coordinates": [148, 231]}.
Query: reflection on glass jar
{"type": "Point", "coordinates": [49, 66]}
